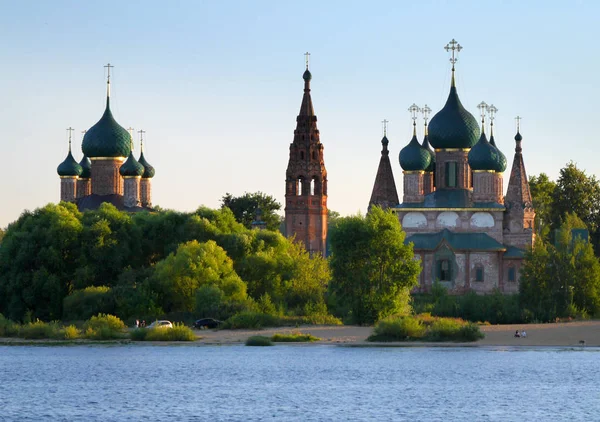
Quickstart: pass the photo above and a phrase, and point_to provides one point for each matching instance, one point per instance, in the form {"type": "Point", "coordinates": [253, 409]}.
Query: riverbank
{"type": "Point", "coordinates": [556, 334]}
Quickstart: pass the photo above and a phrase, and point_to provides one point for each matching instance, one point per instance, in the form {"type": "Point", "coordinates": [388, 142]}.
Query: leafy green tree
{"type": "Point", "coordinates": [38, 256]}
{"type": "Point", "coordinates": [373, 270]}
{"type": "Point", "coordinates": [542, 191]}
{"type": "Point", "coordinates": [178, 277]}
{"type": "Point", "coordinates": [1, 235]}
{"type": "Point", "coordinates": [244, 208]}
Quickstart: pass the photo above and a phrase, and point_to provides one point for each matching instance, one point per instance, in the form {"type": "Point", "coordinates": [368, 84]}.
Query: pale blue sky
{"type": "Point", "coordinates": [217, 86]}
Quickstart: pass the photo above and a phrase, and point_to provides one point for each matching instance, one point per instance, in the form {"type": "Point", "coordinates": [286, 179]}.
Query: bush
{"type": "Point", "coordinates": [295, 337]}
{"type": "Point", "coordinates": [139, 334]}
{"type": "Point", "coordinates": [40, 330]}
{"type": "Point", "coordinates": [82, 304]}
{"type": "Point", "coordinates": [179, 332]}
{"type": "Point", "coordinates": [251, 320]}
{"type": "Point", "coordinates": [8, 328]}
{"type": "Point", "coordinates": [425, 327]}
{"type": "Point", "coordinates": [259, 341]}
{"type": "Point", "coordinates": [70, 333]}
{"type": "Point", "coordinates": [104, 327]}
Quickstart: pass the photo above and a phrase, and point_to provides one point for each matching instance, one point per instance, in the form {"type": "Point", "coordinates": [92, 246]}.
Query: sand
{"type": "Point", "coordinates": [558, 334]}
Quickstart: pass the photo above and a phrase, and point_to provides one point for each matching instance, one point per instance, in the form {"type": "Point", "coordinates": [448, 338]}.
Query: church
{"type": "Point", "coordinates": [108, 171]}
{"type": "Point", "coordinates": [466, 233]}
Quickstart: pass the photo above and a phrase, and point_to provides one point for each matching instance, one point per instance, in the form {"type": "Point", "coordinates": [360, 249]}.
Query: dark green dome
{"type": "Point", "coordinates": [106, 138]}
{"type": "Point", "coordinates": [148, 169]}
{"type": "Point", "coordinates": [86, 165]}
{"type": "Point", "coordinates": [453, 126]}
{"type": "Point", "coordinates": [483, 156]}
{"type": "Point", "coordinates": [431, 153]}
{"type": "Point", "coordinates": [502, 163]}
{"type": "Point", "coordinates": [307, 75]}
{"type": "Point", "coordinates": [69, 167]}
{"type": "Point", "coordinates": [131, 167]}
{"type": "Point", "coordinates": [414, 157]}
{"type": "Point", "coordinates": [518, 137]}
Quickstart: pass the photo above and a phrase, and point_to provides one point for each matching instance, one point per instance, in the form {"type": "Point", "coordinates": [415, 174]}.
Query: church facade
{"type": "Point", "coordinates": [108, 171]}
{"type": "Point", "coordinates": [466, 233]}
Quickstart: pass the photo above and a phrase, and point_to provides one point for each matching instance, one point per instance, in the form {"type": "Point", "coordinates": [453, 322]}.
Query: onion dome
{"type": "Point", "coordinates": [86, 165]}
{"type": "Point", "coordinates": [148, 169]}
{"type": "Point", "coordinates": [502, 163]}
{"type": "Point", "coordinates": [69, 167]}
{"type": "Point", "coordinates": [131, 167]}
{"type": "Point", "coordinates": [307, 76]}
{"type": "Point", "coordinates": [426, 146]}
{"type": "Point", "coordinates": [107, 138]}
{"type": "Point", "coordinates": [483, 156]}
{"type": "Point", "coordinates": [414, 157]}
{"type": "Point", "coordinates": [453, 126]}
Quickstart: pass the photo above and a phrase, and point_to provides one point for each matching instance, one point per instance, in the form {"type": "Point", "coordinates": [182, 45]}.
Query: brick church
{"type": "Point", "coordinates": [466, 233]}
{"type": "Point", "coordinates": [108, 171]}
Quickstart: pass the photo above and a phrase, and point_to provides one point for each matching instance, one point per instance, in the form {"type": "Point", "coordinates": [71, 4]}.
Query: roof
{"type": "Point", "coordinates": [484, 156]}
{"type": "Point", "coordinates": [106, 138]}
{"type": "Point", "coordinates": [450, 198]}
{"type": "Point", "coordinates": [414, 157]}
{"type": "Point", "coordinates": [69, 167]}
{"type": "Point", "coordinates": [131, 167]}
{"type": "Point", "coordinates": [514, 252]}
{"type": "Point", "coordinates": [149, 171]}
{"type": "Point", "coordinates": [456, 241]}
{"type": "Point", "coordinates": [86, 166]}
{"type": "Point", "coordinates": [384, 191]}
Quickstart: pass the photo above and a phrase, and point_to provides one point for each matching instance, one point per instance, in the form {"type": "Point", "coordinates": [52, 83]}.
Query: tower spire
{"type": "Point", "coordinates": [414, 114]}
{"type": "Point", "coordinates": [483, 109]}
{"type": "Point", "coordinates": [70, 130]}
{"type": "Point", "coordinates": [492, 110]}
{"type": "Point", "coordinates": [426, 111]}
{"type": "Point", "coordinates": [455, 48]}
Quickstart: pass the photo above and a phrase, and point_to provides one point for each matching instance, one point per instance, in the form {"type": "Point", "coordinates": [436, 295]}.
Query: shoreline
{"type": "Point", "coordinates": [565, 334]}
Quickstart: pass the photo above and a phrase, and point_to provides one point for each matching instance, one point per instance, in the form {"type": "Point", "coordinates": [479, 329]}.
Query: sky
{"type": "Point", "coordinates": [217, 86]}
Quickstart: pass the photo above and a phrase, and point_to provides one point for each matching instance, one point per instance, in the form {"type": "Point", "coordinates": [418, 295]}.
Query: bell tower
{"type": "Point", "coordinates": [306, 179]}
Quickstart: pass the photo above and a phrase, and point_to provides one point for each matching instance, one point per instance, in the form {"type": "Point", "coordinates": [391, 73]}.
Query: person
{"type": "Point", "coordinates": [137, 323]}
{"type": "Point", "coordinates": [143, 323]}
{"type": "Point", "coordinates": [523, 333]}
{"type": "Point", "coordinates": [517, 334]}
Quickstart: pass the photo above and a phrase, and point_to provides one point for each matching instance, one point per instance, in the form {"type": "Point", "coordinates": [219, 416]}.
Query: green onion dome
{"type": "Point", "coordinates": [414, 157]}
{"type": "Point", "coordinates": [307, 76]}
{"type": "Point", "coordinates": [431, 153]}
{"type": "Point", "coordinates": [86, 165]}
{"type": "Point", "coordinates": [106, 138]}
{"type": "Point", "coordinates": [131, 167]}
{"type": "Point", "coordinates": [148, 169]}
{"type": "Point", "coordinates": [483, 156]}
{"type": "Point", "coordinates": [502, 163]}
{"type": "Point", "coordinates": [69, 167]}
{"type": "Point", "coordinates": [453, 126]}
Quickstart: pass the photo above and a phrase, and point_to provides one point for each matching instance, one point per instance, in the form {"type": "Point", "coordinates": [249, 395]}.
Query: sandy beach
{"type": "Point", "coordinates": [557, 334]}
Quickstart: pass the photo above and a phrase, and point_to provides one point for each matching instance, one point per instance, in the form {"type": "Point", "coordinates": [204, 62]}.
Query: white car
{"type": "Point", "coordinates": [161, 324]}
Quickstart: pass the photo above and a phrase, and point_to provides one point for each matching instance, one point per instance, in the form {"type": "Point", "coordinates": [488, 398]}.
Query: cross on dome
{"type": "Point", "coordinates": [455, 48]}
{"type": "Point", "coordinates": [385, 122]}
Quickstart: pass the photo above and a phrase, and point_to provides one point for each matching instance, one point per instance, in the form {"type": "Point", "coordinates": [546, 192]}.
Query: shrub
{"type": "Point", "coordinates": [139, 334]}
{"type": "Point", "coordinates": [70, 332]}
{"type": "Point", "coordinates": [444, 329]}
{"type": "Point", "coordinates": [179, 332]}
{"type": "Point", "coordinates": [8, 328]}
{"type": "Point", "coordinates": [104, 327]}
{"type": "Point", "coordinates": [425, 327]}
{"type": "Point", "coordinates": [252, 320]}
{"type": "Point", "coordinates": [398, 329]}
{"type": "Point", "coordinates": [40, 330]}
{"type": "Point", "coordinates": [294, 337]}
{"type": "Point", "coordinates": [82, 304]}
{"type": "Point", "coordinates": [259, 341]}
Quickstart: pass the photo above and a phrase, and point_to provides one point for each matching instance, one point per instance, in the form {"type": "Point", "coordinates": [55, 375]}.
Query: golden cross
{"type": "Point", "coordinates": [141, 132]}
{"type": "Point", "coordinates": [108, 66]}
{"type": "Point", "coordinates": [425, 111]}
{"type": "Point", "coordinates": [454, 47]}
{"type": "Point", "coordinates": [70, 130]}
{"type": "Point", "coordinates": [307, 56]}
{"type": "Point", "coordinates": [483, 109]}
{"type": "Point", "coordinates": [518, 119]}
{"type": "Point", "coordinates": [414, 111]}
{"type": "Point", "coordinates": [385, 122]}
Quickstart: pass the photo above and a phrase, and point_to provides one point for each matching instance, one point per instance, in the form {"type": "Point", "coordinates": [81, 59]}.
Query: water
{"type": "Point", "coordinates": [297, 383]}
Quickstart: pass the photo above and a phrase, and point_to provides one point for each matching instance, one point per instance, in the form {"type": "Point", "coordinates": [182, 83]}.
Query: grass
{"type": "Point", "coordinates": [40, 330]}
{"type": "Point", "coordinates": [424, 327]}
{"type": "Point", "coordinates": [259, 341]}
{"type": "Point", "coordinates": [179, 332]}
{"type": "Point", "coordinates": [294, 337]}
{"type": "Point", "coordinates": [8, 328]}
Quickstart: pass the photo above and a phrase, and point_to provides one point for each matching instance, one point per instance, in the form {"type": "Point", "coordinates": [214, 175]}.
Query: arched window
{"type": "Point", "coordinates": [312, 186]}
{"type": "Point", "coordinates": [479, 272]}
{"type": "Point", "coordinates": [444, 270]}
{"type": "Point", "coordinates": [299, 186]}
{"type": "Point", "coordinates": [512, 273]}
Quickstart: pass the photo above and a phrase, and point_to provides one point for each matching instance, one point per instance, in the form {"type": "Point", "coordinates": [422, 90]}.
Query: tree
{"type": "Point", "coordinates": [542, 191]}
{"type": "Point", "coordinates": [244, 208]}
{"type": "Point", "coordinates": [373, 270]}
{"type": "Point", "coordinates": [178, 277]}
{"type": "Point", "coordinates": [1, 235]}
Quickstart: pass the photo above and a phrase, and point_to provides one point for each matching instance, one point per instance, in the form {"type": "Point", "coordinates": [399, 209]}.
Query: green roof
{"type": "Point", "coordinates": [484, 156]}
{"type": "Point", "coordinates": [69, 167]}
{"type": "Point", "coordinates": [414, 157]}
{"type": "Point", "coordinates": [514, 252]}
{"type": "Point", "coordinates": [106, 138]}
{"type": "Point", "coordinates": [426, 145]}
{"type": "Point", "coordinates": [453, 126]}
{"type": "Point", "coordinates": [501, 165]}
{"type": "Point", "coordinates": [131, 167]}
{"type": "Point", "coordinates": [456, 241]}
{"type": "Point", "coordinates": [148, 169]}
{"type": "Point", "coordinates": [450, 198]}
{"type": "Point", "coordinates": [86, 165]}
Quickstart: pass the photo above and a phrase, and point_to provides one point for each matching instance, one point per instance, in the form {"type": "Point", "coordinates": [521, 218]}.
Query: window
{"type": "Point", "coordinates": [451, 174]}
{"type": "Point", "coordinates": [479, 273]}
{"type": "Point", "coordinates": [302, 155]}
{"type": "Point", "coordinates": [444, 270]}
{"type": "Point", "coordinates": [512, 274]}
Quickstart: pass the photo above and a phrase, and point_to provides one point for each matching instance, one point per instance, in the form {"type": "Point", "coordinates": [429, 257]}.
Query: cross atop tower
{"type": "Point", "coordinates": [454, 47]}
{"type": "Point", "coordinates": [307, 57]}
{"type": "Point", "coordinates": [518, 119]}
{"type": "Point", "coordinates": [414, 112]}
{"type": "Point", "coordinates": [108, 67]}
{"type": "Point", "coordinates": [426, 111]}
{"type": "Point", "coordinates": [141, 132]}
{"type": "Point", "coordinates": [70, 130]}
{"type": "Point", "coordinates": [483, 109]}
{"type": "Point", "coordinates": [385, 122]}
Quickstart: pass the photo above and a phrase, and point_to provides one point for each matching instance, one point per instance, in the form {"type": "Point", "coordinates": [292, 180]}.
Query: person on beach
{"type": "Point", "coordinates": [137, 323]}
{"type": "Point", "coordinates": [523, 333]}
{"type": "Point", "coordinates": [517, 334]}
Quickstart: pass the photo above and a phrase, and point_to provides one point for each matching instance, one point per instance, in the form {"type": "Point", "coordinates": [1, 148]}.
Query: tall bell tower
{"type": "Point", "coordinates": [306, 179]}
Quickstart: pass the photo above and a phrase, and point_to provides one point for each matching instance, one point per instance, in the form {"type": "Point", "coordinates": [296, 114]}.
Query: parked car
{"type": "Point", "coordinates": [161, 324]}
{"type": "Point", "coordinates": [207, 323]}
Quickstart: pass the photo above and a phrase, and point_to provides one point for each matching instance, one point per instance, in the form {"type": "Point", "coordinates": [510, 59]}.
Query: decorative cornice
{"type": "Point", "coordinates": [69, 177]}
{"type": "Point", "coordinates": [397, 210]}
{"type": "Point", "coordinates": [452, 149]}
{"type": "Point", "coordinates": [413, 171]}
{"type": "Point", "coordinates": [121, 159]}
